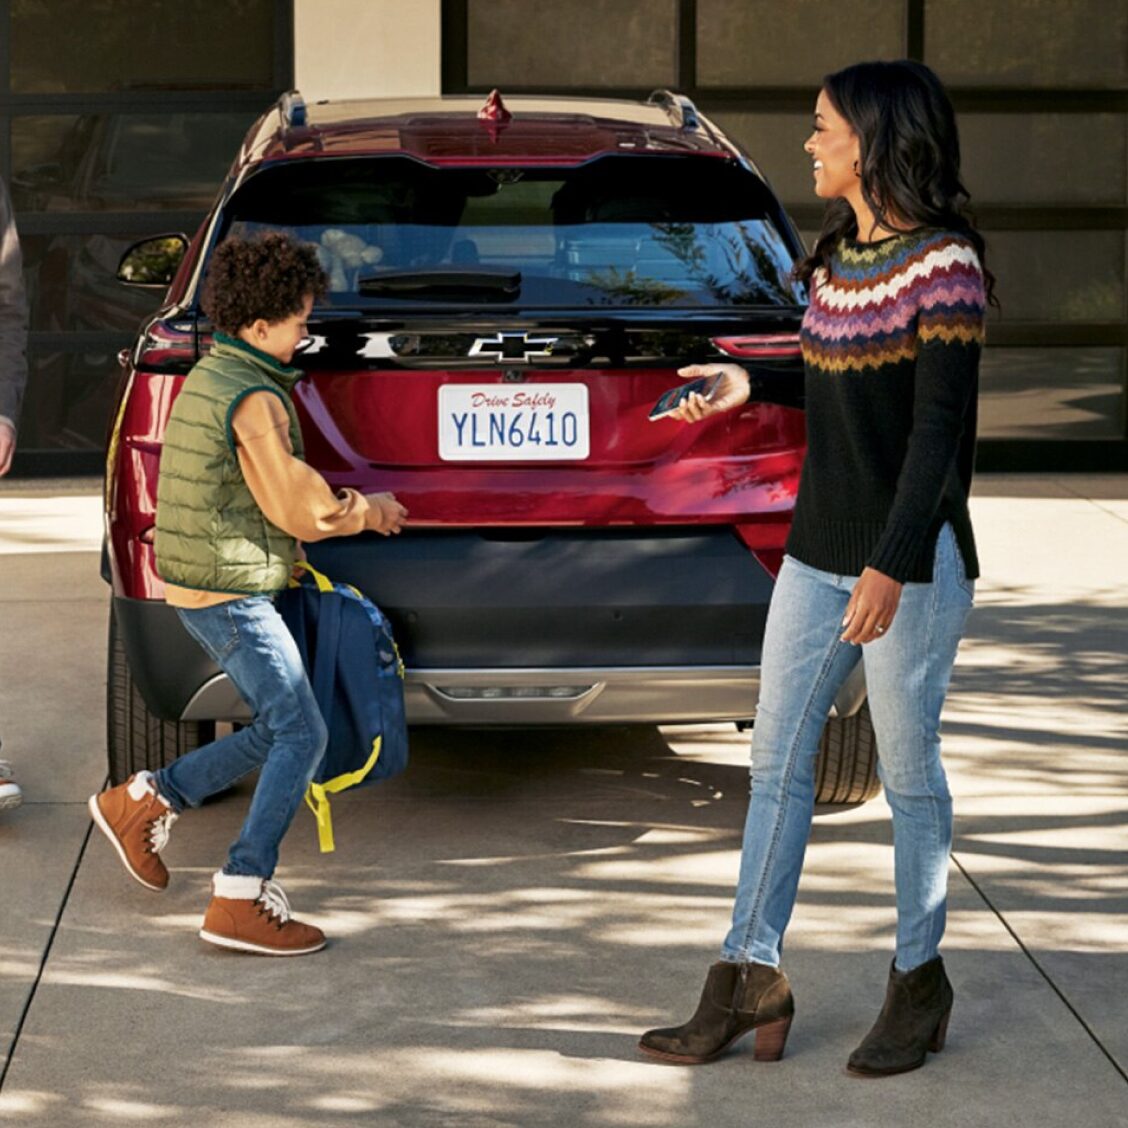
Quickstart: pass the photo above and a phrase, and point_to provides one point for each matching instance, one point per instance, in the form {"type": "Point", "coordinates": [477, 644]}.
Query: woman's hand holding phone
{"type": "Point", "coordinates": [733, 391]}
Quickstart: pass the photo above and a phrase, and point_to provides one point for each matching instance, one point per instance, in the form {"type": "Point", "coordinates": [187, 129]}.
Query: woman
{"type": "Point", "coordinates": [881, 554]}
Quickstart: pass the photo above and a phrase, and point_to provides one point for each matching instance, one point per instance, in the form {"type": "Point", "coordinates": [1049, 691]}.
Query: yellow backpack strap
{"type": "Point", "coordinates": [317, 797]}
{"type": "Point", "coordinates": [323, 582]}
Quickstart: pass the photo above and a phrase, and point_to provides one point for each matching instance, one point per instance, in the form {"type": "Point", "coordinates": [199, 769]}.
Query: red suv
{"type": "Point", "coordinates": [511, 290]}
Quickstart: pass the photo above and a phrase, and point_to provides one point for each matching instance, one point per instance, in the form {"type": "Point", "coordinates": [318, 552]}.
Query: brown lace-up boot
{"type": "Point", "coordinates": [913, 1021]}
{"type": "Point", "coordinates": [737, 998]}
{"type": "Point", "coordinates": [136, 819]}
{"type": "Point", "coordinates": [251, 914]}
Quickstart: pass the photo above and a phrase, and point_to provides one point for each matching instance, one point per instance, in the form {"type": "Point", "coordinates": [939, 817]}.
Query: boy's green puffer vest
{"type": "Point", "coordinates": [211, 535]}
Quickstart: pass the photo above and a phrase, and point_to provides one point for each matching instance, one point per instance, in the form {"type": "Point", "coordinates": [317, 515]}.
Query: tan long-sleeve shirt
{"type": "Point", "coordinates": [290, 492]}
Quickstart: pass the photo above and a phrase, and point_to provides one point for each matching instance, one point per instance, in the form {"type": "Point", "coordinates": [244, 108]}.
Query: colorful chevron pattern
{"type": "Point", "coordinates": [883, 300]}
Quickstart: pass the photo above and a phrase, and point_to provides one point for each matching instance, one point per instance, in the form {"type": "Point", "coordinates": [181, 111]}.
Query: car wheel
{"type": "Point", "coordinates": [846, 771]}
{"type": "Point", "coordinates": [137, 739]}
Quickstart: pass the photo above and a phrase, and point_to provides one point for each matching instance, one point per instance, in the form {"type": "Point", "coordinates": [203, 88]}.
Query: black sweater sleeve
{"type": "Point", "coordinates": [949, 339]}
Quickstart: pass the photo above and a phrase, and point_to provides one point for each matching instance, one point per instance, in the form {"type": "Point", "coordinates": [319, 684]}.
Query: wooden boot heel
{"type": "Point", "coordinates": [937, 1043]}
{"type": "Point", "coordinates": [771, 1038]}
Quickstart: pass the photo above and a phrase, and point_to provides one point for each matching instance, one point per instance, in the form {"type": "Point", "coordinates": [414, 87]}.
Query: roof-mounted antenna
{"type": "Point", "coordinates": [292, 107]}
{"type": "Point", "coordinates": [681, 110]}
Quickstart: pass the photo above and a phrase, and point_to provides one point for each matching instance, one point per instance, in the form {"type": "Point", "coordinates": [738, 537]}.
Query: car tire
{"type": "Point", "coordinates": [846, 771]}
{"type": "Point", "coordinates": [137, 739]}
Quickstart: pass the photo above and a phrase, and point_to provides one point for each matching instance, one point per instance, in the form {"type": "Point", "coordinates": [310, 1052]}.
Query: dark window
{"type": "Point", "coordinates": [791, 42]}
{"type": "Point", "coordinates": [96, 46]}
{"type": "Point", "coordinates": [128, 161]}
{"type": "Point", "coordinates": [1046, 158]}
{"type": "Point", "coordinates": [1028, 42]}
{"type": "Point", "coordinates": [1052, 393]}
{"type": "Point", "coordinates": [575, 43]}
{"type": "Point", "coordinates": [118, 120]}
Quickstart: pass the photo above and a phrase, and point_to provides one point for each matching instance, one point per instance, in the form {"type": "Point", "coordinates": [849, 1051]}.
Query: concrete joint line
{"type": "Point", "coordinates": [43, 960]}
{"type": "Point", "coordinates": [1041, 970]}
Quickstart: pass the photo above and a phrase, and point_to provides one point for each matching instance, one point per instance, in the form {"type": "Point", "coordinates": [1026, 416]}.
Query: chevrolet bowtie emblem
{"type": "Point", "coordinates": [513, 348]}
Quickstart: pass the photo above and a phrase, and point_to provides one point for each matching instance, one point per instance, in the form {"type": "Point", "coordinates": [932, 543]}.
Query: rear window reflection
{"type": "Point", "coordinates": [619, 231]}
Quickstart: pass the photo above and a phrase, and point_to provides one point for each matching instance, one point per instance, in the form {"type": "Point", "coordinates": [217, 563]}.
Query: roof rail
{"type": "Point", "coordinates": [292, 107]}
{"type": "Point", "coordinates": [680, 108]}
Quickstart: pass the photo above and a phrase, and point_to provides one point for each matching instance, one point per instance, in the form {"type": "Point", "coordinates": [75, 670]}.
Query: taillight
{"type": "Point", "coordinates": [766, 539]}
{"type": "Point", "coordinates": [761, 346]}
{"type": "Point", "coordinates": [771, 559]}
{"type": "Point", "coordinates": [168, 346]}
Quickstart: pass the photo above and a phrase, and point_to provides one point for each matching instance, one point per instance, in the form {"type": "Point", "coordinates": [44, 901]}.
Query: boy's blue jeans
{"type": "Point", "coordinates": [253, 646]}
{"type": "Point", "coordinates": [907, 673]}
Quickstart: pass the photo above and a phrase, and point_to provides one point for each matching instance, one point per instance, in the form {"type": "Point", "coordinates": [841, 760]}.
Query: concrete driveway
{"type": "Point", "coordinates": [508, 916]}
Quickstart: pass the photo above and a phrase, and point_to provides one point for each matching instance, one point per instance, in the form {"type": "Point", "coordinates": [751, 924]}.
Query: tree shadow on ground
{"type": "Point", "coordinates": [511, 913]}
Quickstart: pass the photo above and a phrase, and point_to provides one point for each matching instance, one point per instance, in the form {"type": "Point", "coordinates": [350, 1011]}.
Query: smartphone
{"type": "Point", "coordinates": [706, 386]}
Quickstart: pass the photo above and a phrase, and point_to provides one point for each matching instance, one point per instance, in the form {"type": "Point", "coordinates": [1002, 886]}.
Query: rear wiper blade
{"type": "Point", "coordinates": [442, 279]}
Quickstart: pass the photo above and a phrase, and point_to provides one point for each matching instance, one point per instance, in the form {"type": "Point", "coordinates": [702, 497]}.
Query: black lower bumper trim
{"type": "Point", "coordinates": [166, 662]}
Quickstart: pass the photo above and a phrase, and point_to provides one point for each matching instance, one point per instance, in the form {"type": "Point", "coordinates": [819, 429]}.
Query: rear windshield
{"type": "Point", "coordinates": [618, 231]}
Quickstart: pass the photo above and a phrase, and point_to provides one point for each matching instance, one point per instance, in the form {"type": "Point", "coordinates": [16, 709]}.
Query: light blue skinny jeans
{"type": "Point", "coordinates": [287, 738]}
{"type": "Point", "coordinates": [907, 673]}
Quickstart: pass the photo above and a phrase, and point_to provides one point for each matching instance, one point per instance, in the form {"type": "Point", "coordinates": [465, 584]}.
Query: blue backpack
{"type": "Point", "coordinates": [357, 677]}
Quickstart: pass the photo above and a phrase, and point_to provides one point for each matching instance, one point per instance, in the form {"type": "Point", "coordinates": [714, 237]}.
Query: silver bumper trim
{"type": "Point", "coordinates": [216, 700]}
{"type": "Point", "coordinates": [622, 695]}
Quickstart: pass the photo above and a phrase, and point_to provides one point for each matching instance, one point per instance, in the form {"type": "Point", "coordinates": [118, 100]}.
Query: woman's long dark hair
{"type": "Point", "coordinates": [909, 157]}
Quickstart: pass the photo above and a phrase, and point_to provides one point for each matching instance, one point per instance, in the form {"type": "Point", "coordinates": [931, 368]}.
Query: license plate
{"type": "Point", "coordinates": [503, 422]}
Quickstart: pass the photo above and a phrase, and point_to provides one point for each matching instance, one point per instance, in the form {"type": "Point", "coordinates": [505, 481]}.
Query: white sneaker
{"type": "Point", "coordinates": [10, 793]}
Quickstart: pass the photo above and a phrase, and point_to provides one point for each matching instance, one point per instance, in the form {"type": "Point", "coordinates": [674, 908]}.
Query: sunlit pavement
{"type": "Point", "coordinates": [507, 917]}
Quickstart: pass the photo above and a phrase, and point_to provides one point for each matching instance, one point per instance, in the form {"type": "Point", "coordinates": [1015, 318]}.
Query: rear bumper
{"type": "Point", "coordinates": [194, 689]}
{"type": "Point", "coordinates": [566, 627]}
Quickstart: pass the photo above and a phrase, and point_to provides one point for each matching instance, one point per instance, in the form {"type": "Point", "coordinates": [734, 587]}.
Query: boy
{"type": "Point", "coordinates": [234, 497]}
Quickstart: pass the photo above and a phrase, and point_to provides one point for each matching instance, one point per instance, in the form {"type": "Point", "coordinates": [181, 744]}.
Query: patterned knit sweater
{"type": "Point", "coordinates": [891, 345]}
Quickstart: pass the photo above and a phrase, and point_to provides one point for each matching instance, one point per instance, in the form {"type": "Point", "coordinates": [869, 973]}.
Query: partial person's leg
{"type": "Point", "coordinates": [214, 767]}
{"type": "Point", "coordinates": [248, 912]}
{"type": "Point", "coordinates": [803, 666]}
{"type": "Point", "coordinates": [137, 815]}
{"type": "Point", "coordinates": [907, 677]}
{"type": "Point", "coordinates": [907, 673]}
{"type": "Point", "coordinates": [249, 641]}
{"type": "Point", "coordinates": [255, 649]}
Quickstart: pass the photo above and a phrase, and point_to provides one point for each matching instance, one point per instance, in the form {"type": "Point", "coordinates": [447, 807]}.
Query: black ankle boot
{"type": "Point", "coordinates": [737, 998]}
{"type": "Point", "coordinates": [913, 1021]}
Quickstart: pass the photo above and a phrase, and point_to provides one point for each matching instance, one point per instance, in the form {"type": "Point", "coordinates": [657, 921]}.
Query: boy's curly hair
{"type": "Point", "coordinates": [267, 276]}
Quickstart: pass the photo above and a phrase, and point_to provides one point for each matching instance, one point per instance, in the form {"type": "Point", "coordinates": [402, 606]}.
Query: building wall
{"type": "Point", "coordinates": [1041, 92]}
{"type": "Point", "coordinates": [363, 48]}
